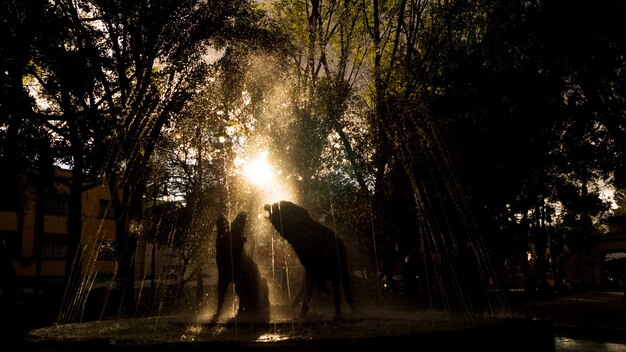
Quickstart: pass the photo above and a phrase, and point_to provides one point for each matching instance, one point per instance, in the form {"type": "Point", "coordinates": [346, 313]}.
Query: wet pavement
{"type": "Point", "coordinates": [586, 321]}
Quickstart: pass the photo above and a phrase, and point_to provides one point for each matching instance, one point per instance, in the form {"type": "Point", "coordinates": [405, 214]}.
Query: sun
{"type": "Point", "coordinates": [259, 171]}
{"type": "Point", "coordinates": [268, 183]}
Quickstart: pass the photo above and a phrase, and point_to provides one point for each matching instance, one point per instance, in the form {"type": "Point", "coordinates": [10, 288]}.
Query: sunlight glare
{"type": "Point", "coordinates": [259, 171]}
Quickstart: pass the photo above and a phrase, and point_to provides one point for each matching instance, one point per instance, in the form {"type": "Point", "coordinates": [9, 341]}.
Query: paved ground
{"type": "Point", "coordinates": [587, 315]}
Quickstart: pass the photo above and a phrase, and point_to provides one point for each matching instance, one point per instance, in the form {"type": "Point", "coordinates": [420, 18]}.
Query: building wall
{"type": "Point", "coordinates": [98, 230]}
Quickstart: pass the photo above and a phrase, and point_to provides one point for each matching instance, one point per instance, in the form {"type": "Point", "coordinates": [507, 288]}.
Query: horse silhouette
{"type": "Point", "coordinates": [320, 251]}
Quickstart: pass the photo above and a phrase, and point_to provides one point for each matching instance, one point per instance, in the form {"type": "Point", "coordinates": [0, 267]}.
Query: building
{"type": "Point", "coordinates": [37, 251]}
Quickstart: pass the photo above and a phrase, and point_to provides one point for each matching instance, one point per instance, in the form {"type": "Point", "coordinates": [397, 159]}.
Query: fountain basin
{"type": "Point", "coordinates": [425, 330]}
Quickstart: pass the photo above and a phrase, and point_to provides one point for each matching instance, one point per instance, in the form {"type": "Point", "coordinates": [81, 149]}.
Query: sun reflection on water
{"type": "Point", "coordinates": [272, 337]}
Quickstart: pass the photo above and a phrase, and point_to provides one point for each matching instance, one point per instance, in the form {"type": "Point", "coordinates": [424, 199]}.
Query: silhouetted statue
{"type": "Point", "coordinates": [320, 251]}
{"type": "Point", "coordinates": [237, 267]}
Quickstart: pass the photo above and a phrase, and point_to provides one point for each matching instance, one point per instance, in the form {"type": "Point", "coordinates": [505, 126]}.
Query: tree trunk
{"type": "Point", "coordinates": [126, 247]}
{"type": "Point", "coordinates": [73, 260]}
{"type": "Point", "coordinates": [44, 181]}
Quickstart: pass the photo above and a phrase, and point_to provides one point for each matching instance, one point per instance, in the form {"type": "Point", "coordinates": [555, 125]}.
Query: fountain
{"type": "Point", "coordinates": [376, 325]}
{"type": "Point", "coordinates": [375, 331]}
{"type": "Point", "coordinates": [448, 319]}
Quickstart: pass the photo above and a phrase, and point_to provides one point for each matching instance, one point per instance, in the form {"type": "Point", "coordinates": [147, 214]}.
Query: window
{"type": "Point", "coordinates": [105, 209]}
{"type": "Point", "coordinates": [8, 202]}
{"type": "Point", "coordinates": [54, 248]}
{"type": "Point", "coordinates": [57, 204]}
{"type": "Point", "coordinates": [106, 250]}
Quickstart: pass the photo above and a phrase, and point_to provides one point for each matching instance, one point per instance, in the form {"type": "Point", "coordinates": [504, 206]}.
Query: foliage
{"type": "Point", "coordinates": [410, 123]}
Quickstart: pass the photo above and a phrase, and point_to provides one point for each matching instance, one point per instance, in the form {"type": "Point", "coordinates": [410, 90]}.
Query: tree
{"type": "Point", "coordinates": [112, 75]}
